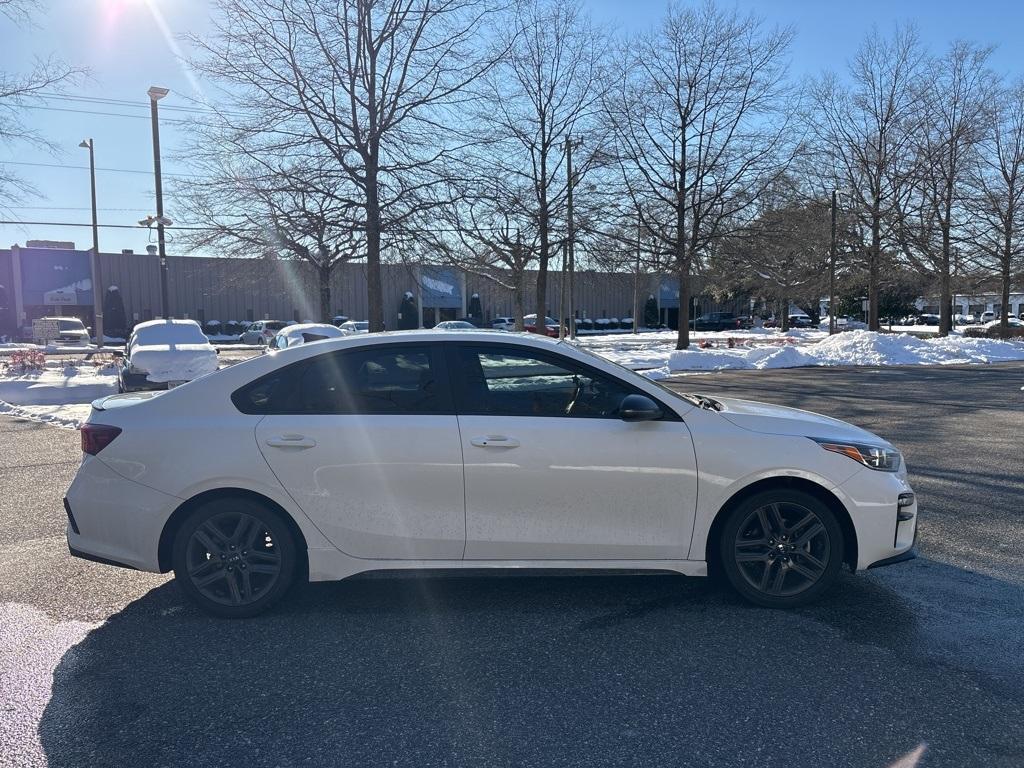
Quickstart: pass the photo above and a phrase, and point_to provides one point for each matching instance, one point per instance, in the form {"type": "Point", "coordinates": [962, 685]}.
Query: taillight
{"type": "Point", "coordinates": [96, 437]}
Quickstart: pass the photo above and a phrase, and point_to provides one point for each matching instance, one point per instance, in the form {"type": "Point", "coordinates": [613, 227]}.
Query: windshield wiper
{"type": "Point", "coordinates": [705, 402]}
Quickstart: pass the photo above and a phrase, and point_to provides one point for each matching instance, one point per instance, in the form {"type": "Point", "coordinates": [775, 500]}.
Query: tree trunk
{"type": "Point", "coordinates": [945, 287]}
{"type": "Point", "coordinates": [324, 277]}
{"type": "Point", "coordinates": [517, 302]}
{"type": "Point", "coordinates": [682, 259]}
{"type": "Point", "coordinates": [374, 287]}
{"type": "Point", "coordinates": [784, 316]}
{"type": "Point", "coordinates": [873, 258]}
{"type": "Point", "coordinates": [543, 220]}
{"type": "Point", "coordinates": [1004, 280]}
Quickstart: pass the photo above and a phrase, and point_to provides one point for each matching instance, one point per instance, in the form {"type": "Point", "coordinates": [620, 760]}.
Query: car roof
{"type": "Point", "coordinates": [167, 321]}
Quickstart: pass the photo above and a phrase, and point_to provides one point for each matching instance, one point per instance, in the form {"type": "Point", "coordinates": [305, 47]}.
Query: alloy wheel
{"type": "Point", "coordinates": [231, 559]}
{"type": "Point", "coordinates": [782, 549]}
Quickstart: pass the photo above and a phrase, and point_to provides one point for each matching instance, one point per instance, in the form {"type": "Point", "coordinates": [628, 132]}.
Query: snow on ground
{"type": "Point", "coordinates": [771, 349]}
{"type": "Point", "coordinates": [68, 416]}
{"type": "Point", "coordinates": [58, 385]}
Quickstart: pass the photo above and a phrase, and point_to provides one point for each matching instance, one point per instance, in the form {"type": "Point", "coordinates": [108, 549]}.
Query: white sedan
{"type": "Point", "coordinates": [164, 353]}
{"type": "Point", "coordinates": [304, 333]}
{"type": "Point", "coordinates": [428, 449]}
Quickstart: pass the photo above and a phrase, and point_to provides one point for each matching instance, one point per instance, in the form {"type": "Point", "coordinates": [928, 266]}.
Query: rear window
{"type": "Point", "coordinates": [391, 379]}
{"type": "Point", "coordinates": [275, 326]}
{"type": "Point", "coordinates": [170, 333]}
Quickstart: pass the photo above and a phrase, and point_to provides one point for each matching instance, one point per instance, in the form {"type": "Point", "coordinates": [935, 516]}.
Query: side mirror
{"type": "Point", "coordinates": [639, 408]}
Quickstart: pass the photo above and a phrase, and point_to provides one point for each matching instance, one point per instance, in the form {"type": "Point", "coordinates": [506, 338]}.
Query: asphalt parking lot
{"type": "Point", "coordinates": [918, 664]}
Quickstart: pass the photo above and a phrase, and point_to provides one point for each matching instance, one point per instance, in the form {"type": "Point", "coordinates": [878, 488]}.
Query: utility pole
{"type": "Point", "coordinates": [571, 244]}
{"type": "Point", "coordinates": [561, 294]}
{"type": "Point", "coordinates": [97, 279]}
{"type": "Point", "coordinates": [832, 270]}
{"type": "Point", "coordinates": [155, 94]}
{"type": "Point", "coordinates": [636, 275]}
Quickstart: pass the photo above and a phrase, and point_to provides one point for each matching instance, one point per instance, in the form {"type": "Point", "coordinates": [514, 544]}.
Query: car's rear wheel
{"type": "Point", "coordinates": [234, 557]}
{"type": "Point", "coordinates": [781, 548]}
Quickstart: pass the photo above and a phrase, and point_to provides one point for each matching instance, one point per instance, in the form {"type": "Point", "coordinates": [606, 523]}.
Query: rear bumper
{"type": "Point", "coordinates": [114, 520]}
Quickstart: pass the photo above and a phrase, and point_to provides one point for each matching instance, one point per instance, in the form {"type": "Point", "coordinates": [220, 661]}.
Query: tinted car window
{"type": "Point", "coordinates": [514, 382]}
{"type": "Point", "coordinates": [380, 380]}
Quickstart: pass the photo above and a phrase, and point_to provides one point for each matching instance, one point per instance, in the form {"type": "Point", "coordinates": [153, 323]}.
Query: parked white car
{"type": "Point", "coordinates": [161, 354]}
{"type": "Point", "coordinates": [304, 333]}
{"type": "Point", "coordinates": [455, 325]}
{"type": "Point", "coordinates": [262, 332]}
{"type": "Point", "coordinates": [427, 449]}
{"type": "Point", "coordinates": [356, 326]}
{"type": "Point", "coordinates": [504, 323]}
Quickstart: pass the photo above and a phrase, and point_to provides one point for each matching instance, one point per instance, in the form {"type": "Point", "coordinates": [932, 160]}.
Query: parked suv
{"type": "Point", "coordinates": [716, 321]}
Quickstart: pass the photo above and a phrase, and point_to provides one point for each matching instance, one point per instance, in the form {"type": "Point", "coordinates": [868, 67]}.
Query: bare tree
{"type": "Point", "coordinates": [250, 205]}
{"type": "Point", "coordinates": [19, 90]}
{"type": "Point", "coordinates": [784, 252]}
{"type": "Point", "coordinates": [701, 122]}
{"type": "Point", "coordinates": [996, 222]}
{"type": "Point", "coordinates": [864, 132]}
{"type": "Point", "coordinates": [955, 106]}
{"type": "Point", "coordinates": [496, 236]}
{"type": "Point", "coordinates": [544, 92]}
{"type": "Point", "coordinates": [369, 84]}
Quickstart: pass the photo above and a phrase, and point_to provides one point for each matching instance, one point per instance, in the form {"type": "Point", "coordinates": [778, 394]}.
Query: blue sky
{"type": "Point", "coordinates": [128, 45]}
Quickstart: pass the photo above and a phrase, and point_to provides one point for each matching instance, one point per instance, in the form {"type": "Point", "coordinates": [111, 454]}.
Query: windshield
{"type": "Point", "coordinates": [70, 325]}
{"type": "Point", "coordinates": [170, 333]}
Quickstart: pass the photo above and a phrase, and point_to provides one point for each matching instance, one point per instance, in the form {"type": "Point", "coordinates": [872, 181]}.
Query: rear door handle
{"type": "Point", "coordinates": [495, 441]}
{"type": "Point", "coordinates": [291, 441]}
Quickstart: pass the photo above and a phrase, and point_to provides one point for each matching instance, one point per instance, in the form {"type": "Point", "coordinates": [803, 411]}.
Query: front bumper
{"type": "Point", "coordinates": [871, 497]}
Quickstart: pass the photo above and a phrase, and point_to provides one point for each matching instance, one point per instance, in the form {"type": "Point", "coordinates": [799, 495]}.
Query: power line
{"type": "Point", "coordinates": [86, 168]}
{"type": "Point", "coordinates": [102, 114]}
{"type": "Point", "coordinates": [107, 101]}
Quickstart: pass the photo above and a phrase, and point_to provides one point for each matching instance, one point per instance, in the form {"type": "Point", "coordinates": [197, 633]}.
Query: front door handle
{"type": "Point", "coordinates": [495, 441]}
{"type": "Point", "coordinates": [291, 441]}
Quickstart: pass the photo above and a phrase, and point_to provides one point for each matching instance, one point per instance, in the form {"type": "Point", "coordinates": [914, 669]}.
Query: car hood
{"type": "Point", "coordinates": [779, 420]}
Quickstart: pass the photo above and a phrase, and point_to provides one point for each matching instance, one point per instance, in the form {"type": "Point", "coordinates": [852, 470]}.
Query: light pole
{"type": "Point", "coordinates": [155, 94]}
{"type": "Point", "coordinates": [832, 270]}
{"type": "Point", "coordinates": [97, 279]}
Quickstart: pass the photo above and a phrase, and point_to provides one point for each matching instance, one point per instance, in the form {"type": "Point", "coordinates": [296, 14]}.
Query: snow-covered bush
{"type": "Point", "coordinates": [24, 361]}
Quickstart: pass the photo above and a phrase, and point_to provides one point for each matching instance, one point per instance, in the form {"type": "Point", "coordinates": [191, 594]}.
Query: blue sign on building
{"type": "Point", "coordinates": [441, 287]}
{"type": "Point", "coordinates": [668, 294]}
{"type": "Point", "coordinates": [55, 271]}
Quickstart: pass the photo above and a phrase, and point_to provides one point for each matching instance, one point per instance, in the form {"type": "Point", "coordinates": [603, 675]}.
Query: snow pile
{"type": "Point", "coordinates": [58, 386]}
{"type": "Point", "coordinates": [852, 348]}
{"type": "Point", "coordinates": [64, 416]}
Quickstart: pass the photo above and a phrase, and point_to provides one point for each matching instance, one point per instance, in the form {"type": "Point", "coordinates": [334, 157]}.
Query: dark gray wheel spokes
{"type": "Point", "coordinates": [232, 560]}
{"type": "Point", "coordinates": [782, 549]}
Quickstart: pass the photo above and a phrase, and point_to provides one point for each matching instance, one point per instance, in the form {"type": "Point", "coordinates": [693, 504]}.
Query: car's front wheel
{"type": "Point", "coordinates": [234, 557]}
{"type": "Point", "coordinates": [781, 548]}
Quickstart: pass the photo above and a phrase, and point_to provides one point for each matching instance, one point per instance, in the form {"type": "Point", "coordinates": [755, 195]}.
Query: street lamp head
{"type": "Point", "coordinates": [156, 92]}
{"type": "Point", "coordinates": [86, 144]}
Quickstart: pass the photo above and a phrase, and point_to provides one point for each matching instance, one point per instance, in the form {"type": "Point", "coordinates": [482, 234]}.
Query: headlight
{"type": "Point", "coordinates": [873, 456]}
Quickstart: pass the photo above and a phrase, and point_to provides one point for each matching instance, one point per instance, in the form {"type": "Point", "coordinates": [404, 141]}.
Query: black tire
{"type": "Point", "coordinates": [235, 557]}
{"type": "Point", "coordinates": [774, 542]}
